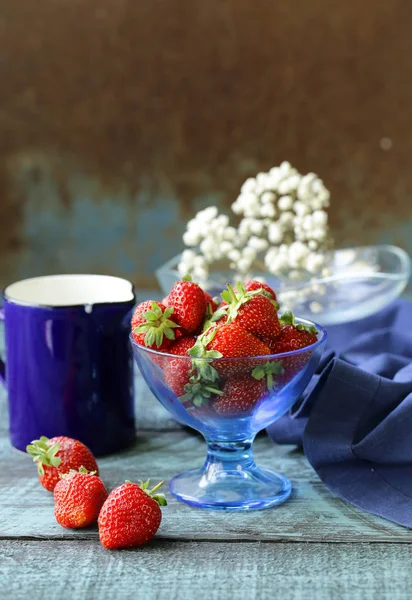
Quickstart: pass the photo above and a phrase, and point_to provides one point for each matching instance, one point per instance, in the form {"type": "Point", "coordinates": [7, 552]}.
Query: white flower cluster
{"type": "Point", "coordinates": [283, 228]}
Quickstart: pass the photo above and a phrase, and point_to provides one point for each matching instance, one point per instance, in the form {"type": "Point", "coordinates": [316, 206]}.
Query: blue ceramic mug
{"type": "Point", "coordinates": [68, 368]}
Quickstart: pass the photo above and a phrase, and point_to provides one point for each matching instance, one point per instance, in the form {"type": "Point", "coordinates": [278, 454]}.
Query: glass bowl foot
{"type": "Point", "coordinates": [250, 489]}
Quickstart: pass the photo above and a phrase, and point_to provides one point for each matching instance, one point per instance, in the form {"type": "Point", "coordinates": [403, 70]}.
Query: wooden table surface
{"type": "Point", "coordinates": [314, 547]}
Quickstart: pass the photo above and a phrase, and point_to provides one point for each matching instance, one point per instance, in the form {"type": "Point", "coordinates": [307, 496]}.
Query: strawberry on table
{"type": "Point", "coordinates": [131, 515]}
{"type": "Point", "coordinates": [153, 325]}
{"type": "Point", "coordinates": [57, 456]}
{"type": "Point", "coordinates": [189, 303]}
{"type": "Point", "coordinates": [78, 498]}
{"type": "Point", "coordinates": [252, 310]}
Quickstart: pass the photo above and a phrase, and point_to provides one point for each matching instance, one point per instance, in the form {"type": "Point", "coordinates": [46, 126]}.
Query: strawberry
{"type": "Point", "coordinates": [229, 340]}
{"type": "Point", "coordinates": [240, 395]}
{"type": "Point", "coordinates": [78, 498]}
{"type": "Point", "coordinates": [252, 310]}
{"type": "Point", "coordinates": [177, 375]}
{"type": "Point", "coordinates": [294, 336]}
{"type": "Point", "coordinates": [232, 340]}
{"type": "Point", "coordinates": [181, 346]}
{"type": "Point", "coordinates": [58, 456]}
{"type": "Point", "coordinates": [131, 515]}
{"type": "Point", "coordinates": [209, 300]}
{"type": "Point", "coordinates": [189, 304]}
{"type": "Point", "coordinates": [152, 326]}
{"type": "Point", "coordinates": [252, 286]}
{"type": "Point", "coordinates": [193, 382]}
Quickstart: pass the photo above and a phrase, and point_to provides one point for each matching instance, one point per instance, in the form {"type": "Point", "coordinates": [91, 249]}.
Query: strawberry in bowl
{"type": "Point", "coordinates": [228, 371]}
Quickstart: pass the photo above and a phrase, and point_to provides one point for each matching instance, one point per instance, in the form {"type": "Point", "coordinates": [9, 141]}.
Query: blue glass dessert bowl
{"type": "Point", "coordinates": [229, 400]}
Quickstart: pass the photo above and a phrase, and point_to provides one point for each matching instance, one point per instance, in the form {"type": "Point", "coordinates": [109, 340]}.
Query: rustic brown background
{"type": "Point", "coordinates": [119, 118]}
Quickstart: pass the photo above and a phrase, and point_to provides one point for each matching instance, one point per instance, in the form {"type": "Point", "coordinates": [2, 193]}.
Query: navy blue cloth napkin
{"type": "Point", "coordinates": [354, 420]}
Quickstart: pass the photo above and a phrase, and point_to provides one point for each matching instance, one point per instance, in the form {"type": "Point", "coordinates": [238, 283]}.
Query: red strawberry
{"type": "Point", "coordinates": [177, 373]}
{"type": "Point", "coordinates": [209, 300]}
{"type": "Point", "coordinates": [252, 286]}
{"type": "Point", "coordinates": [253, 311]}
{"type": "Point", "coordinates": [165, 301]}
{"type": "Point", "coordinates": [181, 346]}
{"type": "Point", "coordinates": [294, 336]}
{"type": "Point", "coordinates": [241, 394]}
{"type": "Point", "coordinates": [189, 304]}
{"type": "Point", "coordinates": [78, 498]}
{"type": "Point", "coordinates": [194, 382]}
{"type": "Point", "coordinates": [58, 456]}
{"type": "Point", "coordinates": [130, 516]}
{"type": "Point", "coordinates": [229, 340]}
{"type": "Point", "coordinates": [152, 326]}
{"type": "Point", "coordinates": [232, 340]}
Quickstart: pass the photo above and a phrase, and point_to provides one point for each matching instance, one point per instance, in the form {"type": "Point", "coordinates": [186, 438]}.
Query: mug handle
{"type": "Point", "coordinates": [2, 363]}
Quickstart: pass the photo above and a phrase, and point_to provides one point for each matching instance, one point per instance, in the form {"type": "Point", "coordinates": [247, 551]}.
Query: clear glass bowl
{"type": "Point", "coordinates": [362, 281]}
{"type": "Point", "coordinates": [229, 478]}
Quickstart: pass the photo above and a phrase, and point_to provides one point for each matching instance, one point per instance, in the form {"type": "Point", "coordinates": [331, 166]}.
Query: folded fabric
{"type": "Point", "coordinates": [354, 420]}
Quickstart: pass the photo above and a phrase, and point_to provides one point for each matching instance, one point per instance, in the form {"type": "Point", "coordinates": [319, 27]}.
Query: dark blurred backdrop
{"type": "Point", "coordinates": [120, 118]}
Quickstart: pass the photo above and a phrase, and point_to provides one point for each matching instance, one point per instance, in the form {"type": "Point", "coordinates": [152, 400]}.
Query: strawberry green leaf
{"type": "Point", "coordinates": [150, 315]}
{"type": "Point", "coordinates": [287, 318]}
{"type": "Point", "coordinates": [240, 288]}
{"type": "Point", "coordinates": [221, 312]}
{"type": "Point", "coordinates": [159, 337]}
{"type": "Point", "coordinates": [270, 369]}
{"type": "Point", "coordinates": [43, 454]}
{"type": "Point", "coordinates": [160, 499]}
{"type": "Point", "coordinates": [143, 328]}
{"type": "Point", "coordinates": [258, 372]}
{"type": "Point", "coordinates": [308, 328]}
{"type": "Point", "coordinates": [169, 333]}
{"type": "Point", "coordinates": [150, 337]}
{"type": "Point", "coordinates": [168, 312]}
{"type": "Point", "coordinates": [197, 350]}
{"type": "Point", "coordinates": [226, 296]}
{"type": "Point", "coordinates": [205, 370]}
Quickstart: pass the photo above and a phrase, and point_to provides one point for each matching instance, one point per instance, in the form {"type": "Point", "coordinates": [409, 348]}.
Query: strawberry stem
{"type": "Point", "coordinates": [157, 324]}
{"type": "Point", "coordinates": [288, 318]}
{"type": "Point", "coordinates": [268, 370]}
{"type": "Point", "coordinates": [156, 487]}
{"type": "Point", "coordinates": [43, 454]}
{"type": "Point", "coordinates": [159, 498]}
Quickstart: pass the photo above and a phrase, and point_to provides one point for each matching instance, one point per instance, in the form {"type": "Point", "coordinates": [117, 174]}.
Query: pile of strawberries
{"type": "Point", "coordinates": [127, 517]}
{"type": "Point", "coordinates": [244, 323]}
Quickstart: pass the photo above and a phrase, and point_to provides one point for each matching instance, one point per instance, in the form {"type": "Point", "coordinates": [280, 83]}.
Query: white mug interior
{"type": "Point", "coordinates": [70, 290]}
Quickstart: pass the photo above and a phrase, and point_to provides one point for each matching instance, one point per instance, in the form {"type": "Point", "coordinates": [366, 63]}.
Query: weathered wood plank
{"type": "Point", "coordinates": [313, 514]}
{"type": "Point", "coordinates": [176, 570]}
